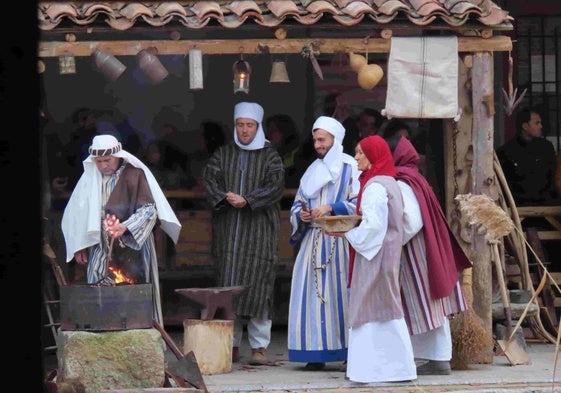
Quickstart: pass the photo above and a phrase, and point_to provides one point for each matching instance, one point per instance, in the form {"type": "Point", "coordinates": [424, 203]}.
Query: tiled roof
{"type": "Point", "coordinates": [122, 15]}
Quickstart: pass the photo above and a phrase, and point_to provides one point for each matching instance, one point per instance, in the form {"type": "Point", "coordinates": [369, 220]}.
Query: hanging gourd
{"type": "Point", "coordinates": [369, 76]}
{"type": "Point", "coordinates": [356, 61]}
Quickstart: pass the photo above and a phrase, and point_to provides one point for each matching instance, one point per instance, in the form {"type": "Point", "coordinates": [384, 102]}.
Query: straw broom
{"type": "Point", "coordinates": [482, 212]}
{"type": "Point", "coordinates": [469, 334]}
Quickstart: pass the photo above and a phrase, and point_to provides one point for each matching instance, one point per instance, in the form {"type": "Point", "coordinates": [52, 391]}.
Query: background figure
{"type": "Point", "coordinates": [244, 183]}
{"type": "Point", "coordinates": [54, 192]}
{"type": "Point", "coordinates": [317, 330]}
{"type": "Point", "coordinates": [429, 246]}
{"type": "Point", "coordinates": [174, 147]}
{"type": "Point", "coordinates": [369, 122]}
{"type": "Point", "coordinates": [558, 175]}
{"type": "Point", "coordinates": [282, 132]}
{"type": "Point", "coordinates": [528, 161]}
{"type": "Point", "coordinates": [210, 138]}
{"type": "Point", "coordinates": [337, 106]}
{"type": "Point", "coordinates": [168, 178]}
{"type": "Point", "coordinates": [351, 135]}
{"type": "Point", "coordinates": [79, 141]}
{"type": "Point", "coordinates": [396, 128]}
{"type": "Point", "coordinates": [380, 348]}
{"type": "Point", "coordinates": [116, 183]}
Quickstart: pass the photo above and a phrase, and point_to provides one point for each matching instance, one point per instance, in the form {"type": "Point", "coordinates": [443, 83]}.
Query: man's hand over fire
{"type": "Point", "coordinates": [113, 226]}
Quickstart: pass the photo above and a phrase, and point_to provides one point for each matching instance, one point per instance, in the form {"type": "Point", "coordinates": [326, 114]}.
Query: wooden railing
{"type": "Point", "coordinates": [193, 246]}
{"type": "Point", "coordinates": [190, 194]}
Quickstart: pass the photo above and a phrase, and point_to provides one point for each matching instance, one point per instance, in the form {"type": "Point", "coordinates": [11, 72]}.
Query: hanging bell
{"type": "Point", "coordinates": [279, 73]}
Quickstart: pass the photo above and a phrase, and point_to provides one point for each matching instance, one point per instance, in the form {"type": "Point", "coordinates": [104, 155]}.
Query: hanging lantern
{"type": "Point", "coordinates": [242, 72]}
{"type": "Point", "coordinates": [66, 64]}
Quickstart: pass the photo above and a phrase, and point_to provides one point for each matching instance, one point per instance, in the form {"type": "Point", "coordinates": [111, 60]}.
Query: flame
{"type": "Point", "coordinates": [120, 277]}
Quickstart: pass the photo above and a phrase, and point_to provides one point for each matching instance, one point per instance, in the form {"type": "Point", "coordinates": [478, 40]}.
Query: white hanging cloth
{"type": "Point", "coordinates": [423, 78]}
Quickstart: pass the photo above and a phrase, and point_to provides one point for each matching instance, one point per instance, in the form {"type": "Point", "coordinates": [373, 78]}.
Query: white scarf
{"type": "Point", "coordinates": [81, 223]}
{"type": "Point", "coordinates": [326, 169]}
{"type": "Point", "coordinates": [253, 111]}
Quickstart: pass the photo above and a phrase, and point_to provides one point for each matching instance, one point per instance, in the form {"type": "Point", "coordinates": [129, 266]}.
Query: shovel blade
{"type": "Point", "coordinates": [513, 352]}
{"type": "Point", "coordinates": [188, 369]}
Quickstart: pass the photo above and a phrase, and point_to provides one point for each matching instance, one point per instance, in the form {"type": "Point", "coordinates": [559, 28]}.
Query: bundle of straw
{"type": "Point", "coordinates": [482, 212]}
{"type": "Point", "coordinates": [470, 337]}
{"type": "Point", "coordinates": [485, 215]}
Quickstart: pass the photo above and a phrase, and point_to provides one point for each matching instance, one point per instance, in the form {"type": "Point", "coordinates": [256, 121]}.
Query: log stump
{"type": "Point", "coordinates": [211, 342]}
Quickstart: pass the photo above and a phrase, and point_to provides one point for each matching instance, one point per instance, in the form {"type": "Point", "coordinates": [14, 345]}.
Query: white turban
{"type": "Point", "coordinates": [250, 110]}
{"type": "Point", "coordinates": [327, 169]}
{"type": "Point", "coordinates": [331, 125]}
{"type": "Point", "coordinates": [82, 215]}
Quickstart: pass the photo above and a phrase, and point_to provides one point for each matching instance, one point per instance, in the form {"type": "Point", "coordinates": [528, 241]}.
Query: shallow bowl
{"type": "Point", "coordinates": [338, 223]}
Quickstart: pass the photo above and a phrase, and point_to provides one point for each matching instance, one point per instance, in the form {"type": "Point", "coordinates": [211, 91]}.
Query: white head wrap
{"type": "Point", "coordinates": [331, 125]}
{"type": "Point", "coordinates": [81, 220]}
{"type": "Point", "coordinates": [326, 169]}
{"type": "Point", "coordinates": [250, 110]}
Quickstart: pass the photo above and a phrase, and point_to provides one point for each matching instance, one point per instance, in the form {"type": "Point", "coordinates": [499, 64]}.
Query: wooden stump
{"type": "Point", "coordinates": [211, 342]}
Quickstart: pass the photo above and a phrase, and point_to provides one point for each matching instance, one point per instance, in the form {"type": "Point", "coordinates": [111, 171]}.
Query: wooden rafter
{"type": "Point", "coordinates": [222, 47]}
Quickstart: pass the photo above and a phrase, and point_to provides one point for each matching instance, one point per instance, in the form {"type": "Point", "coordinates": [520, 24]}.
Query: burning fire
{"type": "Point", "coordinates": [119, 277]}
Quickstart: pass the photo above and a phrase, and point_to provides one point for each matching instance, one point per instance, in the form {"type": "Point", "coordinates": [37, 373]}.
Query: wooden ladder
{"type": "Point", "coordinates": [547, 296]}
{"type": "Point", "coordinates": [51, 295]}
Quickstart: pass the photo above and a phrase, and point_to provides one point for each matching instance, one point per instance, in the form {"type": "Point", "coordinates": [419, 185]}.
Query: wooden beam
{"type": "Point", "coordinates": [248, 46]}
{"type": "Point", "coordinates": [482, 174]}
{"type": "Point", "coordinates": [538, 211]}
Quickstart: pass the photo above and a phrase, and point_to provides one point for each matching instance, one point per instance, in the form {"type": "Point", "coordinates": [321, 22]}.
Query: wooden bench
{"type": "Point", "coordinates": [551, 214]}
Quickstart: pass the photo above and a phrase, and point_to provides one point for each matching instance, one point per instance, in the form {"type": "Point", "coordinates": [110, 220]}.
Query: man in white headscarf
{"type": "Point", "coordinates": [317, 331]}
{"type": "Point", "coordinates": [108, 221]}
{"type": "Point", "coordinates": [244, 183]}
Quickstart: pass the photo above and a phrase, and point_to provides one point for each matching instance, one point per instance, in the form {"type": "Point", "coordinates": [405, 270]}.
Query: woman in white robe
{"type": "Point", "coordinates": [379, 345]}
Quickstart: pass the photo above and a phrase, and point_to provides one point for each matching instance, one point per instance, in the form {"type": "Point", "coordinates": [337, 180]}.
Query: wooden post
{"type": "Point", "coordinates": [211, 342]}
{"type": "Point", "coordinates": [483, 183]}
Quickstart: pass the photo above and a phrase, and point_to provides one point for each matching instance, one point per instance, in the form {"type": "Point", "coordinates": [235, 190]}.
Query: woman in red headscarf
{"type": "Point", "coordinates": [379, 345]}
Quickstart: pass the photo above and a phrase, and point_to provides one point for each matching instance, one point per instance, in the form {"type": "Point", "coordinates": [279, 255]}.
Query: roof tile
{"type": "Point", "coordinates": [207, 9]}
{"type": "Point", "coordinates": [322, 6]}
{"type": "Point", "coordinates": [232, 14]}
{"type": "Point", "coordinates": [170, 8]}
{"type": "Point", "coordinates": [135, 10]}
{"type": "Point", "coordinates": [357, 9]}
{"type": "Point", "coordinates": [281, 8]}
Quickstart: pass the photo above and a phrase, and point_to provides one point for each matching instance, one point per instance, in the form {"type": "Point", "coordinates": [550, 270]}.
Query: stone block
{"type": "Point", "coordinates": [112, 360]}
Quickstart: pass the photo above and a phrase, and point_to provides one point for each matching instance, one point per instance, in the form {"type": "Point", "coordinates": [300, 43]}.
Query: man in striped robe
{"type": "Point", "coordinates": [116, 183]}
{"type": "Point", "coordinates": [244, 183]}
{"type": "Point", "coordinates": [317, 330]}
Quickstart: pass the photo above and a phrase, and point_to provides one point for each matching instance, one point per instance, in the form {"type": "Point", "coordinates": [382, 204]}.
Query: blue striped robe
{"type": "Point", "coordinates": [317, 331]}
{"type": "Point", "coordinates": [139, 237]}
